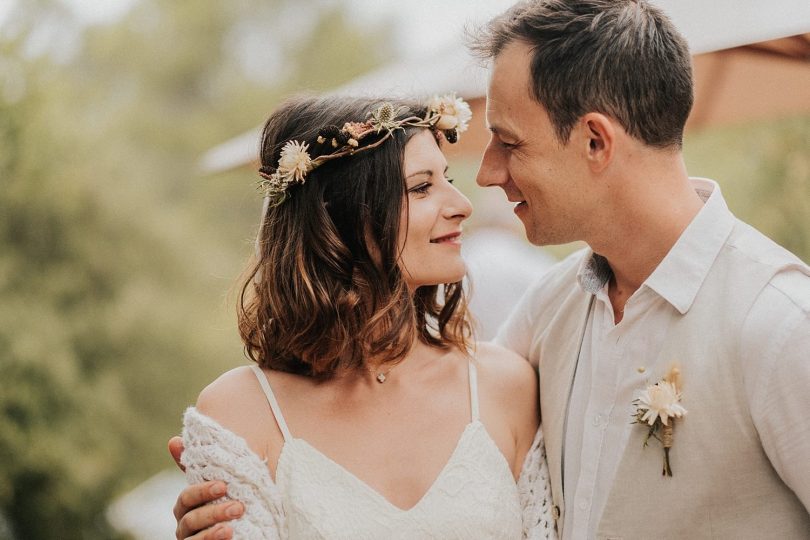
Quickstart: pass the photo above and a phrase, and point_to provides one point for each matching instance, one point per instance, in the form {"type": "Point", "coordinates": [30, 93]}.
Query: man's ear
{"type": "Point", "coordinates": [600, 136]}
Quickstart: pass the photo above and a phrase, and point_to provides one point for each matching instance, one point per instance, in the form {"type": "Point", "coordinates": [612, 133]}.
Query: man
{"type": "Point", "coordinates": [586, 103]}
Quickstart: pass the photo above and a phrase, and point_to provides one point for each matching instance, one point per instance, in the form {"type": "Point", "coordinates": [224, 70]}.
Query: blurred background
{"type": "Point", "coordinates": [128, 205]}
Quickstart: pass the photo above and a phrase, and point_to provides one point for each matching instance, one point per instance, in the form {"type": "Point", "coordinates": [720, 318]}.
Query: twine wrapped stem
{"type": "Point", "coordinates": [666, 440]}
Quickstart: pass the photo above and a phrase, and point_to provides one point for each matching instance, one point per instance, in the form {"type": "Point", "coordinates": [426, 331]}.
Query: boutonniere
{"type": "Point", "coordinates": [658, 406]}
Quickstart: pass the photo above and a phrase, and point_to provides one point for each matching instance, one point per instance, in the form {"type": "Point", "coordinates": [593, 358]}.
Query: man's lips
{"type": "Point", "coordinates": [452, 237]}
{"type": "Point", "coordinates": [516, 200]}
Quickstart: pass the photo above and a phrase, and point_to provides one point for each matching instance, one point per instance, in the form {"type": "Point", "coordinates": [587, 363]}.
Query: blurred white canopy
{"type": "Point", "coordinates": [752, 61]}
{"type": "Point", "coordinates": [145, 512]}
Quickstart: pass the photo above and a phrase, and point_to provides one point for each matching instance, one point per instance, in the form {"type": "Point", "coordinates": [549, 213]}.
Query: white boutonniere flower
{"type": "Point", "coordinates": [658, 406]}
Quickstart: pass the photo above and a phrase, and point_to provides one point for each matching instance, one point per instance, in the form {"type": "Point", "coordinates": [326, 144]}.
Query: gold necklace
{"type": "Point", "coordinates": [381, 376]}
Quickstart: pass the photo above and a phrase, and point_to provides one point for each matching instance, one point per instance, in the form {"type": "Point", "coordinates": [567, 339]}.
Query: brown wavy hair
{"type": "Point", "coordinates": [325, 292]}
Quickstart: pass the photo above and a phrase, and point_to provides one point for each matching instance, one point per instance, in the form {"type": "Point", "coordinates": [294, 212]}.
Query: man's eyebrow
{"type": "Point", "coordinates": [497, 130]}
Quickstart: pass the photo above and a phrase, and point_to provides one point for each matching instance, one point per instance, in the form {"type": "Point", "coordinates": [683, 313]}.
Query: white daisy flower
{"type": "Point", "coordinates": [661, 400]}
{"type": "Point", "coordinates": [295, 161]}
{"type": "Point", "coordinates": [454, 112]}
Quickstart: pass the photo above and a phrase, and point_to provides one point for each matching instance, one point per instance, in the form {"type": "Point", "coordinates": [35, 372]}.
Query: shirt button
{"type": "Point", "coordinates": [597, 419]}
{"type": "Point", "coordinates": [555, 512]}
{"type": "Point", "coordinates": [582, 504]}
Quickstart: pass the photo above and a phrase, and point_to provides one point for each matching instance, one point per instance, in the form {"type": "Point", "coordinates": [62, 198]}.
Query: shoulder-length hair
{"type": "Point", "coordinates": [325, 292]}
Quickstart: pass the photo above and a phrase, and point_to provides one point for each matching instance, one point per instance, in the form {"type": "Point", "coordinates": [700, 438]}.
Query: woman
{"type": "Point", "coordinates": [375, 415]}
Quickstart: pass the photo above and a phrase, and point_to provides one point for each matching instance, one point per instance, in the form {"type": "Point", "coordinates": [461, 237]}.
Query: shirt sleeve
{"type": "Point", "coordinates": [776, 366]}
{"type": "Point", "coordinates": [516, 332]}
{"type": "Point", "coordinates": [524, 322]}
{"type": "Point", "coordinates": [211, 452]}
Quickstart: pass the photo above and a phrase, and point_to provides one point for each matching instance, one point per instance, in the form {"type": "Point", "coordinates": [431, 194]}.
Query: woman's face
{"type": "Point", "coordinates": [430, 228]}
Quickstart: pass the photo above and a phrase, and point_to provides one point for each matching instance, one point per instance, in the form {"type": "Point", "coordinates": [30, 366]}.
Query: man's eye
{"type": "Point", "coordinates": [508, 146]}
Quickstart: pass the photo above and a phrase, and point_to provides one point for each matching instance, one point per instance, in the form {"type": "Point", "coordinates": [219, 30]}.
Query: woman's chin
{"type": "Point", "coordinates": [438, 278]}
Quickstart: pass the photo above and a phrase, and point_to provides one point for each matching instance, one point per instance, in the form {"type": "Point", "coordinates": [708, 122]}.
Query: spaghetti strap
{"type": "Point", "coordinates": [271, 399]}
{"type": "Point", "coordinates": [473, 390]}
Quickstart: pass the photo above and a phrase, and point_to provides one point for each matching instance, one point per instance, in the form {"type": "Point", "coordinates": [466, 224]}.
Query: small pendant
{"type": "Point", "coordinates": [381, 378]}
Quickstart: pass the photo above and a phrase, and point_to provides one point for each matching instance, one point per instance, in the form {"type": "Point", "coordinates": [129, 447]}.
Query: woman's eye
{"type": "Point", "coordinates": [421, 188]}
{"type": "Point", "coordinates": [450, 180]}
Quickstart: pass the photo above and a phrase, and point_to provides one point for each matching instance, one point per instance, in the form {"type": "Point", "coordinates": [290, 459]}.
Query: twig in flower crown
{"type": "Point", "coordinates": [447, 114]}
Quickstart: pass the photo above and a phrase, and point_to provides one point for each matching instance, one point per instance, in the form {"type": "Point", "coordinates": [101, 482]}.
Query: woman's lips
{"type": "Point", "coordinates": [452, 238]}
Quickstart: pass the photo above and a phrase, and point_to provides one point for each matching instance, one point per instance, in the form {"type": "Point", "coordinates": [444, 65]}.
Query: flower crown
{"type": "Point", "coordinates": [448, 114]}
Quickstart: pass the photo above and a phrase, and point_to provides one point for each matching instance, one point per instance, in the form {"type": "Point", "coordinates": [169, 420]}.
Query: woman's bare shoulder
{"type": "Point", "coordinates": [236, 401]}
{"type": "Point", "coordinates": [227, 392]}
{"type": "Point", "coordinates": [505, 370]}
{"type": "Point", "coordinates": [508, 385]}
{"type": "Point", "coordinates": [510, 382]}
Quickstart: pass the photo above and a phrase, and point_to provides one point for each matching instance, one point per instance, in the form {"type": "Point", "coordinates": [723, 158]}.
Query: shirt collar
{"type": "Point", "coordinates": [594, 271]}
{"type": "Point", "coordinates": [679, 276]}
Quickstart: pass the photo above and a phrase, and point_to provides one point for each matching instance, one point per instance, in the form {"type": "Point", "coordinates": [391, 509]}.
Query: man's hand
{"type": "Point", "coordinates": [195, 519]}
{"type": "Point", "coordinates": [175, 449]}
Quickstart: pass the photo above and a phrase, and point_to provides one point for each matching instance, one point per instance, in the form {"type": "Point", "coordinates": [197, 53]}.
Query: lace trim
{"type": "Point", "coordinates": [534, 490]}
{"type": "Point", "coordinates": [215, 453]}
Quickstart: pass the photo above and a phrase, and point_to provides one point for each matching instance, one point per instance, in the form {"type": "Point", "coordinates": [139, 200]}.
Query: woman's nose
{"type": "Point", "coordinates": [459, 205]}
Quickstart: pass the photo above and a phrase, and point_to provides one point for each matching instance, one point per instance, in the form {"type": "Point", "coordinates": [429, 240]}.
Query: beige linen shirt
{"type": "Point", "coordinates": [775, 362]}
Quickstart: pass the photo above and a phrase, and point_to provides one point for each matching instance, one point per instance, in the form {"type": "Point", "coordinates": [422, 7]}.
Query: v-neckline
{"type": "Point", "coordinates": [365, 486]}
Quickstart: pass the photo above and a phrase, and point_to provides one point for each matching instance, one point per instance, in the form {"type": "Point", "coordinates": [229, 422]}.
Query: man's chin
{"type": "Point", "coordinates": [542, 237]}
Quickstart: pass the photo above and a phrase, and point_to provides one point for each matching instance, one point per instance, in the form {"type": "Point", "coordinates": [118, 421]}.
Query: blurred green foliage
{"type": "Point", "coordinates": [764, 172]}
{"type": "Point", "coordinates": [116, 257]}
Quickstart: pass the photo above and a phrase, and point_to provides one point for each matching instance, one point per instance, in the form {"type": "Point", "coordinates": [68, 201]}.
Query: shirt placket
{"type": "Point", "coordinates": [606, 350]}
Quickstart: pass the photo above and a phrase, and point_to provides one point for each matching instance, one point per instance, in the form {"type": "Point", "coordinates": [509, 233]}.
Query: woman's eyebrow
{"type": "Point", "coordinates": [428, 172]}
{"type": "Point", "coordinates": [425, 171]}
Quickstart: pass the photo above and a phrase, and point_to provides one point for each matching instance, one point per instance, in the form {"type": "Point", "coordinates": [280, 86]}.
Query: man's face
{"type": "Point", "coordinates": [525, 158]}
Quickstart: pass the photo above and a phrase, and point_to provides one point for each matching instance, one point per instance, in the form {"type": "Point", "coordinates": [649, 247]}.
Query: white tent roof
{"type": "Point", "coordinates": [708, 25]}
{"type": "Point", "coordinates": [713, 25]}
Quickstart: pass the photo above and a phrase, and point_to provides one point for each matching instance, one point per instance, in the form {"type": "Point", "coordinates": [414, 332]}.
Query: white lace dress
{"type": "Point", "coordinates": [474, 496]}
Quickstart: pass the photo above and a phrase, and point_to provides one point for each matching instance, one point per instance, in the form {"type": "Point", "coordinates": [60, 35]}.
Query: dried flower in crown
{"type": "Point", "coordinates": [448, 114]}
{"type": "Point", "coordinates": [454, 112]}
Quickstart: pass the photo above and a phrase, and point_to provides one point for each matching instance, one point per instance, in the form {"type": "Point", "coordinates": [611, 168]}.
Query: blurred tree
{"type": "Point", "coordinates": [114, 255]}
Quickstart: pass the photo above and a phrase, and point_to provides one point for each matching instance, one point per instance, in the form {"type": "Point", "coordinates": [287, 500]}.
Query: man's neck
{"type": "Point", "coordinates": [646, 221]}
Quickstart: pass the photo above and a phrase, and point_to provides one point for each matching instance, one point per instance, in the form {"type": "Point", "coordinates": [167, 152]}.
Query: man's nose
{"type": "Point", "coordinates": [492, 171]}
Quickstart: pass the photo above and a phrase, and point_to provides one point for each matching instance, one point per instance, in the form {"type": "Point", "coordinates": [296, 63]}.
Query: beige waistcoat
{"type": "Point", "coordinates": [723, 484]}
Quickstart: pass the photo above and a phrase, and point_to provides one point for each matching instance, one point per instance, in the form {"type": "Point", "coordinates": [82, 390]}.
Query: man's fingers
{"type": "Point", "coordinates": [199, 523]}
{"type": "Point", "coordinates": [175, 449]}
{"type": "Point", "coordinates": [220, 532]}
{"type": "Point", "coordinates": [197, 495]}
